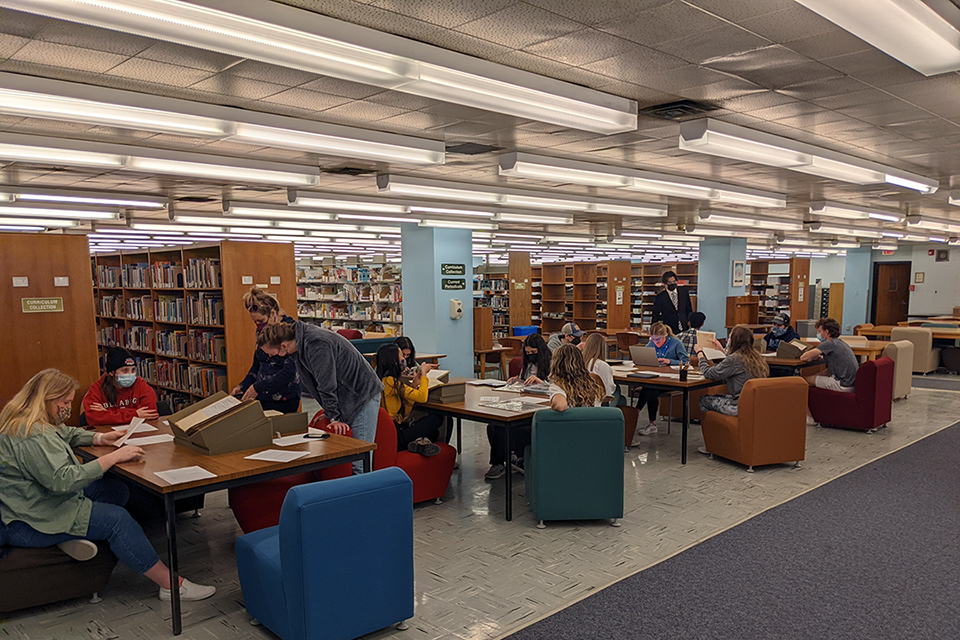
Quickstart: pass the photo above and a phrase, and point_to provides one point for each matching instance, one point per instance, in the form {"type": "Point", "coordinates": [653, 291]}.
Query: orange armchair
{"type": "Point", "coordinates": [770, 428]}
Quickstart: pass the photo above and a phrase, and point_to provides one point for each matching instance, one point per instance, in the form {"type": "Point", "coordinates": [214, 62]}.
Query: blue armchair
{"type": "Point", "coordinates": [574, 465]}
{"type": "Point", "coordinates": [340, 563]}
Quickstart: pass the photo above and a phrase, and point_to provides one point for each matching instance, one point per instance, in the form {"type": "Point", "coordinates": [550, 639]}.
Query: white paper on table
{"type": "Point", "coordinates": [529, 400]}
{"type": "Point", "coordinates": [166, 422]}
{"type": "Point", "coordinates": [486, 383]}
{"type": "Point", "coordinates": [134, 424]}
{"type": "Point", "coordinates": [286, 441]}
{"type": "Point", "coordinates": [208, 411]}
{"type": "Point", "coordinates": [184, 474]}
{"type": "Point", "coordinates": [769, 355]}
{"type": "Point", "coordinates": [145, 440]}
{"type": "Point", "coordinates": [141, 426]}
{"type": "Point", "coordinates": [489, 399]}
{"type": "Point", "coordinates": [273, 455]}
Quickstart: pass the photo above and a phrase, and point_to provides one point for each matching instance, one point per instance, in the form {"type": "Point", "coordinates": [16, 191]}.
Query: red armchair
{"type": "Point", "coordinates": [867, 408]}
{"type": "Point", "coordinates": [257, 506]}
{"type": "Point", "coordinates": [515, 366]}
{"type": "Point", "coordinates": [350, 334]}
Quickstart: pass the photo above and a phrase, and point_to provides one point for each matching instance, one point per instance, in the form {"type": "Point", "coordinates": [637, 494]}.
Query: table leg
{"type": "Point", "coordinates": [503, 364]}
{"type": "Point", "coordinates": [459, 436]}
{"type": "Point", "coordinates": [483, 366]}
{"type": "Point", "coordinates": [686, 424]}
{"type": "Point", "coordinates": [173, 563]}
{"type": "Point", "coordinates": [509, 474]}
{"type": "Point", "coordinates": [368, 462]}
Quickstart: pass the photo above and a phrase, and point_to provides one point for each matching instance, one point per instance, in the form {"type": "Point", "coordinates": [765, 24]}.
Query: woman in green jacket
{"type": "Point", "coordinates": [49, 498]}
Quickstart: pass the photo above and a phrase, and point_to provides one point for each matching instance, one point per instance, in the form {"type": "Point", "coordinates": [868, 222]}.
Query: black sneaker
{"type": "Point", "coordinates": [496, 471]}
{"type": "Point", "coordinates": [516, 463]}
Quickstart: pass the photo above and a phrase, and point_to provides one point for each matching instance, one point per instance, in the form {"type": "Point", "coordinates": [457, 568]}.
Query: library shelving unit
{"type": "Point", "coordinates": [367, 298]}
{"type": "Point", "coordinates": [613, 296]}
{"type": "Point", "coordinates": [492, 290]}
{"type": "Point", "coordinates": [536, 295]}
{"type": "Point", "coordinates": [553, 298]}
{"type": "Point", "coordinates": [585, 300]}
{"type": "Point", "coordinates": [646, 287]}
{"type": "Point", "coordinates": [521, 289]}
{"type": "Point", "coordinates": [179, 310]}
{"type": "Point", "coordinates": [780, 285]}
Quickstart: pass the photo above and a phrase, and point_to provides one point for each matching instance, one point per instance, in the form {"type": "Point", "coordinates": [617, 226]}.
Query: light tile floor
{"type": "Point", "coordinates": [481, 577]}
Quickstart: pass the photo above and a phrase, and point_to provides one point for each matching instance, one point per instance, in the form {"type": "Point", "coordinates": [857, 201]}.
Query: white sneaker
{"type": "Point", "coordinates": [637, 438]}
{"type": "Point", "coordinates": [81, 550]}
{"type": "Point", "coordinates": [811, 422]}
{"type": "Point", "coordinates": [649, 430]}
{"type": "Point", "coordinates": [189, 592]}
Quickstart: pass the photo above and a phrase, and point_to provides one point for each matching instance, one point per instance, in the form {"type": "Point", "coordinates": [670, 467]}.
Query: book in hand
{"type": "Point", "coordinates": [713, 354]}
{"type": "Point", "coordinates": [793, 349]}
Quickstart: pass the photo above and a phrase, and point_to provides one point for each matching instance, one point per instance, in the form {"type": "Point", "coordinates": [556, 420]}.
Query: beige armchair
{"type": "Point", "coordinates": [926, 357]}
{"type": "Point", "coordinates": [901, 352]}
{"type": "Point", "coordinates": [856, 341]}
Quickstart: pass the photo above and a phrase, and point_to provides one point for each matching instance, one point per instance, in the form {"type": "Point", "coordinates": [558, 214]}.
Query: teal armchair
{"type": "Point", "coordinates": [574, 465]}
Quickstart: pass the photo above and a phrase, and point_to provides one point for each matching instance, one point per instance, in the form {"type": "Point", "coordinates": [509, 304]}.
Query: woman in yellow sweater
{"type": "Point", "coordinates": [402, 389]}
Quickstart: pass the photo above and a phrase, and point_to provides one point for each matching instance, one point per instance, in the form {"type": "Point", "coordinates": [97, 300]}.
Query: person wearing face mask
{"type": "Point", "coordinates": [670, 351]}
{"type": "Point", "coordinates": [272, 380]}
{"type": "Point", "coordinates": [119, 395]}
{"type": "Point", "coordinates": [672, 306]}
{"type": "Point", "coordinates": [782, 332]}
{"type": "Point", "coordinates": [49, 498]}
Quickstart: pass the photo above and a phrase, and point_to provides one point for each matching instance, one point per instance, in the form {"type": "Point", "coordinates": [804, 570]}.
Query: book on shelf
{"type": "Point", "coordinates": [167, 275]}
{"type": "Point", "coordinates": [203, 273]}
{"type": "Point", "coordinates": [209, 346]}
{"type": "Point", "coordinates": [205, 308]}
{"type": "Point", "coordinates": [136, 276]}
{"type": "Point", "coordinates": [108, 276]}
{"type": "Point", "coordinates": [167, 308]}
{"type": "Point", "coordinates": [172, 343]}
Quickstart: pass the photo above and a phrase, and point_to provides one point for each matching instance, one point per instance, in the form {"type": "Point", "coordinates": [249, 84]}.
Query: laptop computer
{"type": "Point", "coordinates": [644, 356]}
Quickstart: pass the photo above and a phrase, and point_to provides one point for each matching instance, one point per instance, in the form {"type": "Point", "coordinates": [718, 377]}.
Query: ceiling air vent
{"type": "Point", "coordinates": [472, 148]}
{"type": "Point", "coordinates": [679, 110]}
{"type": "Point", "coordinates": [349, 171]}
{"type": "Point", "coordinates": [196, 199]}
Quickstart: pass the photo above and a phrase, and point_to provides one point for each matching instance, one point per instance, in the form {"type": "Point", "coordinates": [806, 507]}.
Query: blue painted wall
{"type": "Point", "coordinates": [857, 279]}
{"type": "Point", "coordinates": [714, 278]}
{"type": "Point", "coordinates": [426, 307]}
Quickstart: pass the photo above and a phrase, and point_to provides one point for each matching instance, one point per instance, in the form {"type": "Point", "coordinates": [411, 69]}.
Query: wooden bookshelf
{"type": "Point", "coordinates": [492, 290]}
{"type": "Point", "coordinates": [585, 295]}
{"type": "Point", "coordinates": [181, 312]}
{"type": "Point", "coordinates": [520, 289]}
{"type": "Point", "coordinates": [646, 284]}
{"type": "Point", "coordinates": [780, 285]}
{"type": "Point", "coordinates": [616, 275]}
{"type": "Point", "coordinates": [536, 295]}
{"type": "Point", "coordinates": [344, 296]}
{"type": "Point", "coordinates": [553, 297]}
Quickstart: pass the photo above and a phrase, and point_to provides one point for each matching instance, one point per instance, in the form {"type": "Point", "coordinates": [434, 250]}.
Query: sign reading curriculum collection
{"type": "Point", "coordinates": [41, 305]}
{"type": "Point", "coordinates": [453, 269]}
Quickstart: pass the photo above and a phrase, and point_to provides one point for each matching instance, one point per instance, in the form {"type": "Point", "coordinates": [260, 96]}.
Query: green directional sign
{"type": "Point", "coordinates": [453, 269]}
{"type": "Point", "coordinates": [454, 284]}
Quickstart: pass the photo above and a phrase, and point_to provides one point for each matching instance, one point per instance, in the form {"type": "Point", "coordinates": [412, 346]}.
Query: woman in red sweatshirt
{"type": "Point", "coordinates": [119, 395]}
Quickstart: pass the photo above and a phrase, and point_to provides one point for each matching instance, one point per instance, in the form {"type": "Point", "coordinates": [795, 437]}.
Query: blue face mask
{"type": "Point", "coordinates": [127, 379]}
{"type": "Point", "coordinates": [779, 331]}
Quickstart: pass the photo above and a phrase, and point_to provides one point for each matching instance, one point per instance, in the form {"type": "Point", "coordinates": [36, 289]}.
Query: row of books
{"type": "Point", "coordinates": [205, 308]}
{"type": "Point", "coordinates": [147, 369]}
{"type": "Point", "coordinates": [140, 308]}
{"type": "Point", "coordinates": [167, 275]}
{"type": "Point", "coordinates": [136, 275]}
{"type": "Point", "coordinates": [496, 302]}
{"type": "Point", "coordinates": [140, 339]}
{"type": "Point", "coordinates": [168, 309]}
{"type": "Point", "coordinates": [111, 336]}
{"type": "Point", "coordinates": [176, 399]}
{"type": "Point", "coordinates": [108, 276]}
{"type": "Point", "coordinates": [206, 381]}
{"type": "Point", "coordinates": [111, 306]}
{"type": "Point", "coordinates": [210, 346]}
{"type": "Point", "coordinates": [349, 274]}
{"type": "Point", "coordinates": [173, 373]}
{"type": "Point", "coordinates": [171, 343]}
{"type": "Point", "coordinates": [203, 273]}
{"type": "Point", "coordinates": [499, 284]}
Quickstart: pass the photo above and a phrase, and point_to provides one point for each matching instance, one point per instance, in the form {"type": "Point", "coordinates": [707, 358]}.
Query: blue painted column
{"type": "Point", "coordinates": [715, 279]}
{"type": "Point", "coordinates": [426, 306]}
{"type": "Point", "coordinates": [857, 280]}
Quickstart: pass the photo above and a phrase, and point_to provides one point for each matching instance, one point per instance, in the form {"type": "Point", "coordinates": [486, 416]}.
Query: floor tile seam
{"type": "Point", "coordinates": [735, 524]}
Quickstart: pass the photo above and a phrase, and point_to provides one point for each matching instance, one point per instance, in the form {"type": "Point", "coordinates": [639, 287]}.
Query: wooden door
{"type": "Point", "coordinates": [891, 286]}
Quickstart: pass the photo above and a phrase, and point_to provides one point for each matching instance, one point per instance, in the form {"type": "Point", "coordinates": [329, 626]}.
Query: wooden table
{"type": "Point", "coordinates": [482, 353]}
{"type": "Point", "coordinates": [664, 383]}
{"type": "Point", "coordinates": [920, 323]}
{"type": "Point", "coordinates": [883, 332]}
{"type": "Point", "coordinates": [472, 410]}
{"type": "Point", "coordinates": [232, 470]}
{"type": "Point", "coordinates": [433, 358]}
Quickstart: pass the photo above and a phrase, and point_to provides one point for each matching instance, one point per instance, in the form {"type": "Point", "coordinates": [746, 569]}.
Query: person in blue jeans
{"type": "Point", "coordinates": [670, 351]}
{"type": "Point", "coordinates": [49, 498]}
{"type": "Point", "coordinates": [334, 373]}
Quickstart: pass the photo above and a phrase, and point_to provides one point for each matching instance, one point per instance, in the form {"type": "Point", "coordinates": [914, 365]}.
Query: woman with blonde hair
{"type": "Point", "coordinates": [594, 348]}
{"type": "Point", "coordinates": [743, 363]}
{"type": "Point", "coordinates": [49, 498]}
{"type": "Point", "coordinates": [570, 381]}
{"type": "Point", "coordinates": [272, 380]}
{"type": "Point", "coordinates": [670, 351]}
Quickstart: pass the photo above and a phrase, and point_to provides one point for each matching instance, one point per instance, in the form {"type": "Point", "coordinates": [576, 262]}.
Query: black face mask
{"type": "Point", "coordinates": [672, 287]}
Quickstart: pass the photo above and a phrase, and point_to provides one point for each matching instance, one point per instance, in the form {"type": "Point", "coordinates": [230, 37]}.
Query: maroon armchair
{"type": "Point", "coordinates": [257, 506]}
{"type": "Point", "coordinates": [867, 408]}
{"type": "Point", "coordinates": [515, 366]}
{"type": "Point", "coordinates": [350, 334]}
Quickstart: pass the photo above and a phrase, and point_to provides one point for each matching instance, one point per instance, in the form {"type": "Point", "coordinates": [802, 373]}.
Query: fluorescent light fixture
{"type": "Point", "coordinates": [638, 234]}
{"type": "Point", "coordinates": [505, 196]}
{"type": "Point", "coordinates": [305, 40]}
{"type": "Point", "coordinates": [62, 152]}
{"type": "Point", "coordinates": [13, 227]}
{"type": "Point", "coordinates": [77, 196]}
{"type": "Point", "coordinates": [321, 226]}
{"type": "Point", "coordinates": [76, 212]}
{"type": "Point", "coordinates": [362, 218]}
{"type": "Point", "coordinates": [44, 222]}
{"type": "Point", "coordinates": [533, 218]}
{"type": "Point", "coordinates": [911, 31]}
{"type": "Point", "coordinates": [839, 230]}
{"type": "Point", "coordinates": [456, 224]}
{"type": "Point", "coordinates": [272, 230]}
{"type": "Point", "coordinates": [726, 140]}
{"type": "Point", "coordinates": [955, 198]}
{"type": "Point", "coordinates": [528, 165]}
{"type": "Point", "coordinates": [256, 210]}
{"type": "Point", "coordinates": [739, 220]}
{"type": "Point", "coordinates": [454, 212]}
{"type": "Point", "coordinates": [926, 222]}
{"type": "Point", "coordinates": [340, 202]}
{"type": "Point", "coordinates": [853, 212]}
{"type": "Point", "coordinates": [881, 246]}
{"type": "Point", "coordinates": [147, 226]}
{"type": "Point", "coordinates": [214, 220]}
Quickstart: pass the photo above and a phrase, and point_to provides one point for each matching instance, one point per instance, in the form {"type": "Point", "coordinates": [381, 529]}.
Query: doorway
{"type": "Point", "coordinates": [891, 292]}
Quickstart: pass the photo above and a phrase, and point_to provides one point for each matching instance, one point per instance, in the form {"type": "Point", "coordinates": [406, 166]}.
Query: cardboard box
{"type": "Point", "coordinates": [241, 426]}
{"type": "Point", "coordinates": [287, 423]}
{"type": "Point", "coordinates": [448, 393]}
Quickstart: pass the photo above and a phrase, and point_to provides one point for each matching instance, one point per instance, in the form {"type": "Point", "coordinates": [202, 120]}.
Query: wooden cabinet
{"type": "Point", "coordinates": [780, 286]}
{"type": "Point", "coordinates": [520, 289]}
{"type": "Point", "coordinates": [482, 328]}
{"type": "Point", "coordinates": [742, 310]}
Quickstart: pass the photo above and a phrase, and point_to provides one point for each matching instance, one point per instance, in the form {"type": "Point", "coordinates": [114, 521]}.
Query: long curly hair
{"type": "Point", "coordinates": [740, 344]}
{"type": "Point", "coordinates": [569, 372]}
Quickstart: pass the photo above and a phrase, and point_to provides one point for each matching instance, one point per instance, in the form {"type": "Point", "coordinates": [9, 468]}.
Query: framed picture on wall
{"type": "Point", "coordinates": [918, 277]}
{"type": "Point", "coordinates": [739, 269]}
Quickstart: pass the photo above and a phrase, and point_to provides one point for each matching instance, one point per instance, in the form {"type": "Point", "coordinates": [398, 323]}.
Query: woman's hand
{"type": "Point", "coordinates": [236, 391]}
{"type": "Point", "coordinates": [96, 406]}
{"type": "Point", "coordinates": [147, 413]}
{"type": "Point", "coordinates": [513, 379]}
{"type": "Point", "coordinates": [339, 428]}
{"type": "Point", "coordinates": [107, 438]}
{"type": "Point", "coordinates": [663, 360]}
{"type": "Point", "coordinates": [425, 367]}
{"type": "Point", "coordinates": [125, 453]}
{"type": "Point", "coordinates": [532, 380]}
{"type": "Point", "coordinates": [249, 394]}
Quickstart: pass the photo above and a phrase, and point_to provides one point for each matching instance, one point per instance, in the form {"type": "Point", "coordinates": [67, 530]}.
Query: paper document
{"type": "Point", "coordinates": [132, 428]}
{"type": "Point", "coordinates": [486, 383]}
{"type": "Point", "coordinates": [437, 377]}
{"type": "Point", "coordinates": [706, 338]}
{"type": "Point", "coordinates": [772, 354]}
{"type": "Point", "coordinates": [184, 474]}
{"type": "Point", "coordinates": [489, 399]}
{"type": "Point", "coordinates": [207, 412]}
{"type": "Point", "coordinates": [145, 440]}
{"type": "Point", "coordinates": [273, 455]}
{"type": "Point", "coordinates": [142, 427]}
{"type": "Point", "coordinates": [286, 441]}
{"type": "Point", "coordinates": [535, 400]}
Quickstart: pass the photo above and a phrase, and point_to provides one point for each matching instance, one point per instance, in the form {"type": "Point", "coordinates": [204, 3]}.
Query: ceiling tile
{"type": "Point", "coordinates": [827, 44]}
{"type": "Point", "coordinates": [339, 87]}
{"type": "Point", "coordinates": [184, 56]}
{"type": "Point", "coordinates": [793, 22]}
{"type": "Point", "coordinates": [597, 11]}
{"type": "Point", "coordinates": [725, 41]}
{"type": "Point", "coordinates": [519, 26]}
{"type": "Point", "coordinates": [10, 44]}
{"type": "Point", "coordinates": [737, 10]}
{"type": "Point", "coordinates": [18, 23]}
{"type": "Point", "coordinates": [772, 67]}
{"type": "Point", "coordinates": [662, 24]}
{"type": "Point", "coordinates": [81, 35]}
{"type": "Point", "coordinates": [59, 55]}
{"type": "Point", "coordinates": [308, 100]}
{"type": "Point", "coordinates": [360, 111]}
{"type": "Point", "coordinates": [274, 74]}
{"type": "Point", "coordinates": [583, 47]}
{"type": "Point", "coordinates": [448, 13]}
{"type": "Point", "coordinates": [229, 84]}
{"type": "Point", "coordinates": [158, 72]}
